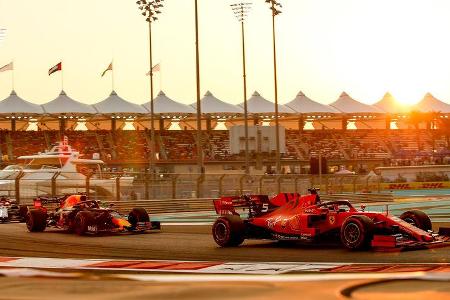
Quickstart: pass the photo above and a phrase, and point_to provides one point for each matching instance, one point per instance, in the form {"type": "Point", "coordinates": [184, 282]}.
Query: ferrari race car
{"type": "Point", "coordinates": [11, 211]}
{"type": "Point", "coordinates": [75, 213]}
{"type": "Point", "coordinates": [291, 217]}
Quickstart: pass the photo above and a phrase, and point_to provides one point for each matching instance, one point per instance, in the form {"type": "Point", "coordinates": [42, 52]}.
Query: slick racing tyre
{"type": "Point", "coordinates": [417, 218]}
{"type": "Point", "coordinates": [357, 232]}
{"type": "Point", "coordinates": [36, 220]}
{"type": "Point", "coordinates": [137, 215]}
{"type": "Point", "coordinates": [83, 219]}
{"type": "Point", "coordinates": [229, 231]}
{"type": "Point", "coordinates": [23, 212]}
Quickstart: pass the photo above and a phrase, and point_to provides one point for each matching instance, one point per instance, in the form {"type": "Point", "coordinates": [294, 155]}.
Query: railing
{"type": "Point", "coordinates": [24, 186]}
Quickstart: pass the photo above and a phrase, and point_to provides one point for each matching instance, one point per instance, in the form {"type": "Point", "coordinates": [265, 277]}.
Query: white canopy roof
{"type": "Point", "coordinates": [16, 105]}
{"type": "Point", "coordinates": [258, 105]}
{"type": "Point", "coordinates": [212, 105]}
{"type": "Point", "coordinates": [116, 105]}
{"type": "Point", "coordinates": [390, 105]}
{"type": "Point", "coordinates": [64, 104]}
{"type": "Point", "coordinates": [430, 104]}
{"type": "Point", "coordinates": [164, 105]}
{"type": "Point", "coordinates": [347, 104]}
{"type": "Point", "coordinates": [303, 104]}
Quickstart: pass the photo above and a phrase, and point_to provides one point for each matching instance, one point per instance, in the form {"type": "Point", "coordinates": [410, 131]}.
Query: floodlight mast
{"type": "Point", "coordinates": [151, 8]}
{"type": "Point", "coordinates": [275, 7]}
{"type": "Point", "coordinates": [241, 11]}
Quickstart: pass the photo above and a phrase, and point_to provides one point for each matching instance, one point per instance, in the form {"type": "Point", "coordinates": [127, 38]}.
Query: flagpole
{"type": "Point", "coordinates": [112, 74]}
{"type": "Point", "coordinates": [12, 76]}
{"type": "Point", "coordinates": [62, 77]}
{"type": "Point", "coordinates": [160, 77]}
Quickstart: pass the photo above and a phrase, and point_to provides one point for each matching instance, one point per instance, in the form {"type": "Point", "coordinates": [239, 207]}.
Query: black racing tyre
{"type": "Point", "coordinates": [23, 212]}
{"type": "Point", "coordinates": [417, 218]}
{"type": "Point", "coordinates": [83, 219]}
{"type": "Point", "coordinates": [136, 215]}
{"type": "Point", "coordinates": [229, 231]}
{"type": "Point", "coordinates": [357, 232]}
{"type": "Point", "coordinates": [36, 220]}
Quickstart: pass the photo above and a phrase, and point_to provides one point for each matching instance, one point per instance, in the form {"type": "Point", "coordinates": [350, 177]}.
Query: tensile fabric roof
{"type": "Point", "coordinates": [347, 104]}
{"type": "Point", "coordinates": [164, 105]}
{"type": "Point", "coordinates": [304, 105]}
{"type": "Point", "coordinates": [211, 105]}
{"type": "Point", "coordinates": [64, 104]}
{"type": "Point", "coordinates": [16, 105]}
{"type": "Point", "coordinates": [258, 105]}
{"type": "Point", "coordinates": [117, 105]}
{"type": "Point", "coordinates": [430, 104]}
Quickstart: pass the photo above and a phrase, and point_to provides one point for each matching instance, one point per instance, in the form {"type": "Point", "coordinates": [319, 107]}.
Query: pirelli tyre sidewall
{"type": "Point", "coordinates": [229, 231]}
{"type": "Point", "coordinates": [137, 215]}
{"type": "Point", "coordinates": [83, 219]}
{"type": "Point", "coordinates": [357, 232]}
{"type": "Point", "coordinates": [417, 218]}
{"type": "Point", "coordinates": [36, 220]}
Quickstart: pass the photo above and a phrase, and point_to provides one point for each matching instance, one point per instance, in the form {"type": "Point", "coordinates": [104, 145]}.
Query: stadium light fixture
{"type": "Point", "coordinates": [241, 11]}
{"type": "Point", "coordinates": [275, 7]}
{"type": "Point", "coordinates": [149, 9]}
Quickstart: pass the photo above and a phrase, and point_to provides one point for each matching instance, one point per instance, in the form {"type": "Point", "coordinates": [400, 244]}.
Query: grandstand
{"type": "Point", "coordinates": [346, 132]}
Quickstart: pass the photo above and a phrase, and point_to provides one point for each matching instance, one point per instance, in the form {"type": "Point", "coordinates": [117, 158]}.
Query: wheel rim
{"type": "Point", "coordinates": [221, 231]}
{"type": "Point", "coordinates": [352, 233]}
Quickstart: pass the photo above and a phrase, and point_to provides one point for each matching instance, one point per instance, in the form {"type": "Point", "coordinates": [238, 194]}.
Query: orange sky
{"type": "Point", "coordinates": [364, 47]}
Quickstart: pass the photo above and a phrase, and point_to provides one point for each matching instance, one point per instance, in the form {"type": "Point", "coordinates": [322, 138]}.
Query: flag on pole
{"type": "Point", "coordinates": [8, 67]}
{"type": "Point", "coordinates": [156, 68]}
{"type": "Point", "coordinates": [56, 68]}
{"type": "Point", "coordinates": [109, 68]}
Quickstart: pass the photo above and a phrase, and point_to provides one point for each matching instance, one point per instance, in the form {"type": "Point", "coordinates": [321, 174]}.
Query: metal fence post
{"type": "Point", "coordinates": [17, 186]}
{"type": "Point", "coordinates": [279, 179]}
{"type": "Point", "coordinates": [118, 187]}
{"type": "Point", "coordinates": [221, 184]}
{"type": "Point", "coordinates": [174, 186]}
{"type": "Point", "coordinates": [200, 180]}
{"type": "Point", "coordinates": [54, 183]}
{"type": "Point", "coordinates": [88, 185]}
{"type": "Point", "coordinates": [146, 187]}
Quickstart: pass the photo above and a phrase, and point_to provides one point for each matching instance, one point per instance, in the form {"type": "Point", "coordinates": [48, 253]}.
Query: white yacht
{"type": "Point", "coordinates": [69, 170]}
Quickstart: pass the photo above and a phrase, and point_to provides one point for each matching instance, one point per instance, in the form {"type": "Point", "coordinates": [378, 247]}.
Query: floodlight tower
{"type": "Point", "coordinates": [151, 8]}
{"type": "Point", "coordinates": [275, 8]}
{"type": "Point", "coordinates": [240, 11]}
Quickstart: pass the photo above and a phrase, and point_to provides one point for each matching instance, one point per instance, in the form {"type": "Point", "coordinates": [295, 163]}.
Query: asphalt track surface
{"type": "Point", "coordinates": [192, 243]}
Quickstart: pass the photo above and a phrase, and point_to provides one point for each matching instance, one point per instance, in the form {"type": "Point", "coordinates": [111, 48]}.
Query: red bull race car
{"type": "Point", "coordinates": [291, 217]}
{"type": "Point", "coordinates": [76, 213]}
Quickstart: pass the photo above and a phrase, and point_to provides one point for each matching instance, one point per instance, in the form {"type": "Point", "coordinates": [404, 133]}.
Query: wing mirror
{"type": "Point", "coordinates": [363, 207]}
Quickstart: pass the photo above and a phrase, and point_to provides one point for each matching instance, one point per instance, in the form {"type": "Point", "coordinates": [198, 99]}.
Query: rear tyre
{"type": "Point", "coordinates": [83, 219]}
{"type": "Point", "coordinates": [357, 232]}
{"type": "Point", "coordinates": [36, 220]}
{"type": "Point", "coordinates": [229, 231]}
{"type": "Point", "coordinates": [23, 212]}
{"type": "Point", "coordinates": [137, 215]}
{"type": "Point", "coordinates": [417, 218]}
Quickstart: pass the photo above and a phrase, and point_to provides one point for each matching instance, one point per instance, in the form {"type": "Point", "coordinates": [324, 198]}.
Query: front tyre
{"type": "Point", "coordinates": [417, 218]}
{"type": "Point", "coordinates": [36, 220]}
{"type": "Point", "coordinates": [357, 232]}
{"type": "Point", "coordinates": [137, 215]}
{"type": "Point", "coordinates": [229, 231]}
{"type": "Point", "coordinates": [83, 219]}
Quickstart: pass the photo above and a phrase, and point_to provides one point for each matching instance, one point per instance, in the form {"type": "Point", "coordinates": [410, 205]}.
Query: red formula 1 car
{"type": "Point", "coordinates": [76, 213]}
{"type": "Point", "coordinates": [291, 217]}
